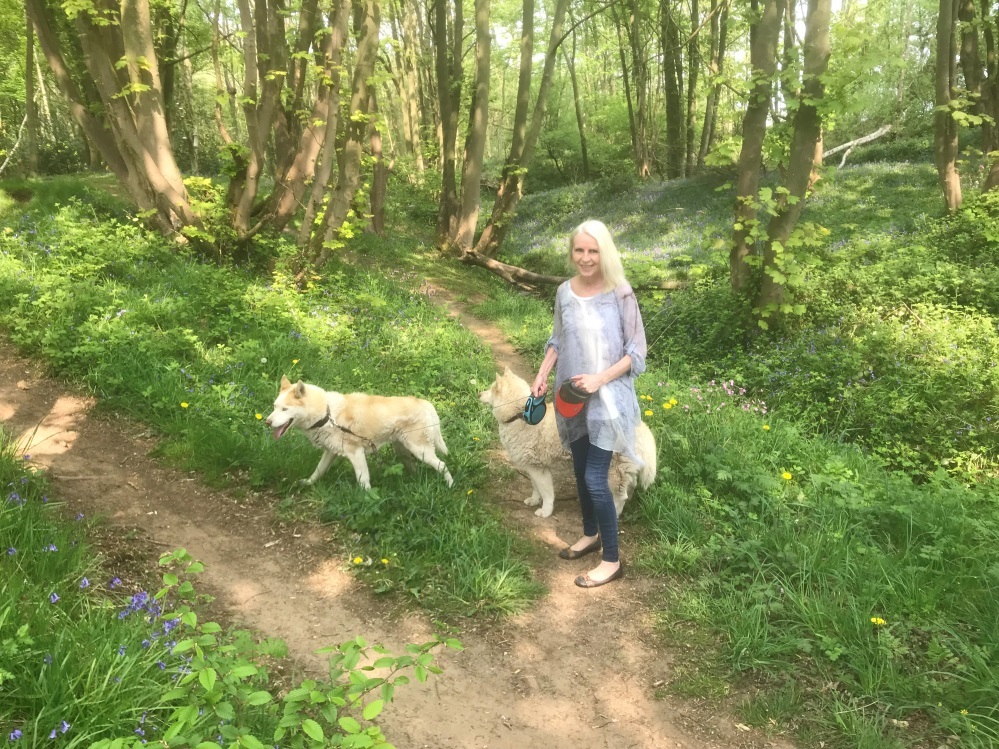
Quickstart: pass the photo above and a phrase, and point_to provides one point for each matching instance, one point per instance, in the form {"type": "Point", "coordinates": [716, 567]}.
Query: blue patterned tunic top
{"type": "Point", "coordinates": [589, 335]}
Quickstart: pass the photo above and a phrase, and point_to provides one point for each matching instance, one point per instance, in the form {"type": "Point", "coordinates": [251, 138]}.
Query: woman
{"type": "Point", "coordinates": [598, 341]}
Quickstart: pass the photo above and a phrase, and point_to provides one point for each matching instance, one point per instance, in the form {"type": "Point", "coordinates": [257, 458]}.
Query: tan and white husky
{"type": "Point", "coordinates": [534, 450]}
{"type": "Point", "coordinates": [352, 424]}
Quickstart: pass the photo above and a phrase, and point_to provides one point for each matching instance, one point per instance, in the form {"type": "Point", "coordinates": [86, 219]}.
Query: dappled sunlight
{"type": "Point", "coordinates": [329, 582]}
{"type": "Point", "coordinates": [56, 433]}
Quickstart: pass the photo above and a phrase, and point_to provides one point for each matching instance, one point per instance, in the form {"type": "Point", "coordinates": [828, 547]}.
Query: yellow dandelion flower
{"type": "Point", "coordinates": [786, 476]}
{"type": "Point", "coordinates": [877, 621]}
{"type": "Point", "coordinates": [475, 439]}
{"type": "Point", "coordinates": [964, 712]}
{"type": "Point", "coordinates": [648, 412]}
{"type": "Point", "coordinates": [294, 361]}
{"type": "Point", "coordinates": [358, 560]}
{"type": "Point", "coordinates": [469, 492]}
{"type": "Point", "coordinates": [673, 401]}
{"type": "Point", "coordinates": [766, 427]}
{"type": "Point", "coordinates": [667, 406]}
{"type": "Point", "coordinates": [259, 416]}
{"type": "Point", "coordinates": [183, 405]}
{"type": "Point", "coordinates": [384, 560]}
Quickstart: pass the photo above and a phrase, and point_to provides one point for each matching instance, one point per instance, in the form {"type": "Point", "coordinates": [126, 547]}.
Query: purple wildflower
{"type": "Point", "coordinates": [54, 598]}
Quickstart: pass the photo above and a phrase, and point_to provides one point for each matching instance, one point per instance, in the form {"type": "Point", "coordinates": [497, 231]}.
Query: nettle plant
{"type": "Point", "coordinates": [222, 695]}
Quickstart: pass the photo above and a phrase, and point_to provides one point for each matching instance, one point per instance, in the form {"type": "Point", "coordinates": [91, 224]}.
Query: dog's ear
{"type": "Point", "coordinates": [507, 372]}
{"type": "Point", "coordinates": [299, 389]}
{"type": "Point", "coordinates": [285, 383]}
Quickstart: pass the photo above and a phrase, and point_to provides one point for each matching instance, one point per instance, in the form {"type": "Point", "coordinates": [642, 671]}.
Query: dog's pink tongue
{"type": "Point", "coordinates": [278, 431]}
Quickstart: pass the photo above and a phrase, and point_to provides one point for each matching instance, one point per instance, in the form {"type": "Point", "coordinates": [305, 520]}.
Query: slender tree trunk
{"type": "Point", "coordinates": [763, 36]}
{"type": "Point", "coordinates": [570, 63]}
{"type": "Point", "coordinates": [640, 81]}
{"type": "Point", "coordinates": [379, 170]}
{"type": "Point", "coordinates": [30, 108]}
{"type": "Point", "coordinates": [522, 148]}
{"type": "Point", "coordinates": [475, 141]}
{"type": "Point", "coordinates": [719, 32]}
{"type": "Point", "coordinates": [325, 239]}
{"type": "Point", "coordinates": [945, 128]}
{"type": "Point", "coordinates": [693, 68]}
{"type": "Point", "coordinates": [806, 140]}
{"type": "Point", "coordinates": [625, 78]}
{"type": "Point", "coordinates": [319, 131]}
{"type": "Point", "coordinates": [990, 97]}
{"type": "Point", "coordinates": [447, 48]}
{"type": "Point", "coordinates": [676, 142]}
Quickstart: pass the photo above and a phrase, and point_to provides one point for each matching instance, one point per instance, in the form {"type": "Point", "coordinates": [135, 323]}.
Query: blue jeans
{"type": "Point", "coordinates": [592, 466]}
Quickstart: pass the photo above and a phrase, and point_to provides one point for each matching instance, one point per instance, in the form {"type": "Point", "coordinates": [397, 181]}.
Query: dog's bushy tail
{"type": "Point", "coordinates": [645, 446]}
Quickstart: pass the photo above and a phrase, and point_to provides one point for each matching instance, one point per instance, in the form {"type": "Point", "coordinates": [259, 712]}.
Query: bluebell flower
{"type": "Point", "coordinates": [121, 650]}
{"type": "Point", "coordinates": [54, 733]}
{"type": "Point", "coordinates": [51, 547]}
{"type": "Point", "coordinates": [47, 658]}
{"type": "Point", "coordinates": [54, 597]}
{"type": "Point", "coordinates": [115, 582]}
{"type": "Point", "coordinates": [79, 516]}
{"type": "Point", "coordinates": [64, 726]}
{"type": "Point", "coordinates": [15, 734]}
{"type": "Point", "coordinates": [11, 551]}
{"type": "Point", "coordinates": [84, 583]}
{"type": "Point", "coordinates": [161, 665]}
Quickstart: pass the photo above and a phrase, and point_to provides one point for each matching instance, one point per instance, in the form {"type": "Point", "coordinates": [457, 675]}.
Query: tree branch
{"type": "Point", "coordinates": [849, 146]}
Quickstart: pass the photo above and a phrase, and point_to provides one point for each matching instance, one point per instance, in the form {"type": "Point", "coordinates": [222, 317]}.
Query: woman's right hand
{"type": "Point", "coordinates": [540, 386]}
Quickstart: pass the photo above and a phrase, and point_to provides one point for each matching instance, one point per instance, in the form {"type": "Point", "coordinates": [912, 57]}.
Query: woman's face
{"type": "Point", "coordinates": [586, 257]}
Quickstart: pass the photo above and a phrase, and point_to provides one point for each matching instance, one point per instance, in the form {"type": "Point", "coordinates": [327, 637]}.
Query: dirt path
{"type": "Point", "coordinates": [577, 671]}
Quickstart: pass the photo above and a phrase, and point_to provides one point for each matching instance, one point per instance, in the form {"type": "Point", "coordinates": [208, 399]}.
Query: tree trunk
{"type": "Point", "coordinates": [676, 141]}
{"type": "Point", "coordinates": [525, 139]}
{"type": "Point", "coordinates": [30, 109]}
{"type": "Point", "coordinates": [945, 128]}
{"type": "Point", "coordinates": [763, 36]}
{"type": "Point", "coordinates": [327, 236]}
{"type": "Point", "coordinates": [719, 33]}
{"type": "Point", "coordinates": [475, 141]}
{"type": "Point", "coordinates": [570, 63]}
{"type": "Point", "coordinates": [447, 49]}
{"type": "Point", "coordinates": [802, 158]}
{"type": "Point", "coordinates": [130, 130]}
{"type": "Point", "coordinates": [379, 170]}
{"type": "Point", "coordinates": [640, 86]}
{"type": "Point", "coordinates": [320, 128]}
{"type": "Point", "coordinates": [990, 98]}
{"type": "Point", "coordinates": [693, 68]}
{"type": "Point", "coordinates": [625, 78]}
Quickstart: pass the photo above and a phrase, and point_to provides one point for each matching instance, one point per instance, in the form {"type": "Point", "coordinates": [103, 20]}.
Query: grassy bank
{"type": "Point", "coordinates": [196, 350]}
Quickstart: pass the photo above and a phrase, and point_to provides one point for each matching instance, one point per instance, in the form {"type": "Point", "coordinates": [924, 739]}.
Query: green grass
{"type": "Point", "coordinates": [830, 542]}
{"type": "Point", "coordinates": [196, 350]}
{"type": "Point", "coordinates": [85, 664]}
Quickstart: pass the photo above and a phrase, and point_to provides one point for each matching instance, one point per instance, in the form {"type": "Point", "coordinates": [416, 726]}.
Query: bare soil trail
{"type": "Point", "coordinates": [578, 670]}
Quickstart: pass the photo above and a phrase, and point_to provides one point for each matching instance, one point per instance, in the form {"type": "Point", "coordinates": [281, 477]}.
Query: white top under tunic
{"type": "Point", "coordinates": [590, 334]}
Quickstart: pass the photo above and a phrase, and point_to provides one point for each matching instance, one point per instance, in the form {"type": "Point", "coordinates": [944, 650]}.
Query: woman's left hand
{"type": "Point", "coordinates": [588, 383]}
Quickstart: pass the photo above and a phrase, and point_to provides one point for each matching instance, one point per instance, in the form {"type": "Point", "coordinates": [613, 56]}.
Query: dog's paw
{"type": "Point", "coordinates": [305, 482]}
{"type": "Point", "coordinates": [532, 501]}
{"type": "Point", "coordinates": [543, 512]}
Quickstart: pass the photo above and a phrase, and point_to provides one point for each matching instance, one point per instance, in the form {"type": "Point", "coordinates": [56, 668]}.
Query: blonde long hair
{"type": "Point", "coordinates": [611, 268]}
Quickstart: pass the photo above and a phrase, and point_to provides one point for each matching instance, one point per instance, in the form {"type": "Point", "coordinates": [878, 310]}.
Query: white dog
{"type": "Point", "coordinates": [534, 450]}
{"type": "Point", "coordinates": [353, 424]}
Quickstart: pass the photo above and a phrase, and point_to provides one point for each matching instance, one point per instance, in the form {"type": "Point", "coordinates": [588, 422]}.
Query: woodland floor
{"type": "Point", "coordinates": [580, 669]}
